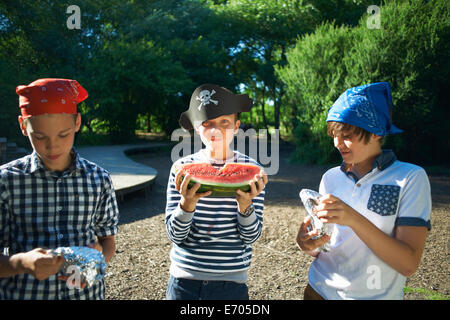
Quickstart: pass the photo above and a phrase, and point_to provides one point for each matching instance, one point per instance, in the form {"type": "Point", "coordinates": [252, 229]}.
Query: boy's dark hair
{"type": "Point", "coordinates": [336, 128]}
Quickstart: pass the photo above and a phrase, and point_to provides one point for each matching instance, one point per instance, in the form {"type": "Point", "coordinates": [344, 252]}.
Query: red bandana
{"type": "Point", "coordinates": [50, 96]}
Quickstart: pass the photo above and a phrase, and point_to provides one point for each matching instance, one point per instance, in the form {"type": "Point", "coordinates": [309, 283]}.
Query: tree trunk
{"type": "Point", "coordinates": [263, 105]}
{"type": "Point", "coordinates": [277, 100]}
{"type": "Point", "coordinates": [149, 125]}
{"type": "Point", "coordinates": [277, 106]}
{"type": "Point", "coordinates": [277, 114]}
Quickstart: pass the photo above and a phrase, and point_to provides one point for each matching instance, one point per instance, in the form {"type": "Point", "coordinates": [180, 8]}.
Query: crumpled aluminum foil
{"type": "Point", "coordinates": [90, 262]}
{"type": "Point", "coordinates": [309, 199]}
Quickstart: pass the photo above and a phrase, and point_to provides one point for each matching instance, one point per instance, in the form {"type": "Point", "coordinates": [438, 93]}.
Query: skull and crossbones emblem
{"type": "Point", "coordinates": [205, 98]}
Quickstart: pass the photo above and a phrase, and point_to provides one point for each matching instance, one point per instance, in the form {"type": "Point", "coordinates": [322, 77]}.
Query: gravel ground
{"type": "Point", "coordinates": [140, 268]}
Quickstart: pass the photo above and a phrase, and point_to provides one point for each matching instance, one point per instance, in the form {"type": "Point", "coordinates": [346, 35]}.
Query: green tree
{"type": "Point", "coordinates": [191, 49]}
{"type": "Point", "coordinates": [36, 43]}
{"type": "Point", "coordinates": [314, 78]}
{"type": "Point", "coordinates": [139, 78]}
{"type": "Point", "coordinates": [410, 51]}
{"type": "Point", "coordinates": [266, 29]}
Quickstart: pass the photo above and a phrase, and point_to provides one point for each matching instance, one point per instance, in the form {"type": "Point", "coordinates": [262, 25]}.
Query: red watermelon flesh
{"type": "Point", "coordinates": [223, 182]}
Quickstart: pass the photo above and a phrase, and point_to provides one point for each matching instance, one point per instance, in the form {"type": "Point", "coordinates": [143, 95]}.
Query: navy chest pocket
{"type": "Point", "coordinates": [384, 199]}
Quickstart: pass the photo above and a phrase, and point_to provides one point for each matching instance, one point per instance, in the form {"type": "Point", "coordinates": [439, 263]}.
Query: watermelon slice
{"type": "Point", "coordinates": [223, 182]}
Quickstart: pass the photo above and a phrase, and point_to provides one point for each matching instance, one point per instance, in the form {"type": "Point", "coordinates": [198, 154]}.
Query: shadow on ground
{"type": "Point", "coordinates": [279, 270]}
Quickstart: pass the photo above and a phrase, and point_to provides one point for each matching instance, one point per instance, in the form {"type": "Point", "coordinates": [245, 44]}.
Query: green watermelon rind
{"type": "Point", "coordinates": [220, 190]}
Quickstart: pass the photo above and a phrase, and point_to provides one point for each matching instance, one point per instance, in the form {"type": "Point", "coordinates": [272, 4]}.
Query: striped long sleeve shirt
{"type": "Point", "coordinates": [214, 242]}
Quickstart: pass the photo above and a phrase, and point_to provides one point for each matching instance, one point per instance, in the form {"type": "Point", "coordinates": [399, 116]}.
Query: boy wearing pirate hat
{"type": "Point", "coordinates": [212, 237]}
{"type": "Point", "coordinates": [52, 198]}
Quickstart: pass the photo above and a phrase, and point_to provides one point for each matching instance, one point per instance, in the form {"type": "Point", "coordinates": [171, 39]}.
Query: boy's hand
{"type": "Point", "coordinates": [244, 199]}
{"type": "Point", "coordinates": [333, 210]}
{"type": "Point", "coordinates": [304, 240]}
{"type": "Point", "coordinates": [189, 197]}
{"type": "Point", "coordinates": [40, 264]}
{"type": "Point", "coordinates": [106, 245]}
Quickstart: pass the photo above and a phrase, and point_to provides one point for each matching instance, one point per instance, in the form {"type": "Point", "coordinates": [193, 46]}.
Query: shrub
{"type": "Point", "coordinates": [410, 51]}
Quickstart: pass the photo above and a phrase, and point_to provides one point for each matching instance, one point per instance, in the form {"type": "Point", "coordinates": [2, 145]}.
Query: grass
{"type": "Point", "coordinates": [427, 294]}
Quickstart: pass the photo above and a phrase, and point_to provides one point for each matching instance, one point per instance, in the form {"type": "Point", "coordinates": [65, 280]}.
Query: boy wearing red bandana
{"type": "Point", "coordinates": [52, 198]}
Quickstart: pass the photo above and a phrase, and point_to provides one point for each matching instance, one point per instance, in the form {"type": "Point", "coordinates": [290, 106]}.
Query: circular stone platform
{"type": "Point", "coordinates": [127, 175]}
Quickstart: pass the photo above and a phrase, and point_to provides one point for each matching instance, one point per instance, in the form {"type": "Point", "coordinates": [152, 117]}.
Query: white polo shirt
{"type": "Point", "coordinates": [393, 194]}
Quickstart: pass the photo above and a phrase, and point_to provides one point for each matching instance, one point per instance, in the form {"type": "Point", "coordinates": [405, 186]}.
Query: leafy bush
{"type": "Point", "coordinates": [410, 51]}
{"type": "Point", "coordinates": [314, 78]}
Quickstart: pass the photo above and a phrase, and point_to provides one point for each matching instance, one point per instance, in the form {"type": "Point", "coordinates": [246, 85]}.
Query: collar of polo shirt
{"type": "Point", "coordinates": [384, 160]}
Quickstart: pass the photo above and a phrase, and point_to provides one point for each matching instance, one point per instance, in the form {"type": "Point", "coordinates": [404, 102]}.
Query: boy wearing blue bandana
{"type": "Point", "coordinates": [380, 206]}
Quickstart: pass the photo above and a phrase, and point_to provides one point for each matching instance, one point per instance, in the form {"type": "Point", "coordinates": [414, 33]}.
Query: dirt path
{"type": "Point", "coordinates": [140, 269]}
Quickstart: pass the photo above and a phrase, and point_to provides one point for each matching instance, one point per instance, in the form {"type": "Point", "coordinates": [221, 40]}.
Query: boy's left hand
{"type": "Point", "coordinates": [106, 245]}
{"type": "Point", "coordinates": [331, 209]}
{"type": "Point", "coordinates": [244, 199]}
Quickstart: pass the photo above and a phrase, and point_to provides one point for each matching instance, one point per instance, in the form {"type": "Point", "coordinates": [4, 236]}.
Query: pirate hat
{"type": "Point", "coordinates": [210, 101]}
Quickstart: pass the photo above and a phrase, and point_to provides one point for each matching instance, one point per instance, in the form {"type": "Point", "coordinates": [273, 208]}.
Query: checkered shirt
{"type": "Point", "coordinates": [41, 208]}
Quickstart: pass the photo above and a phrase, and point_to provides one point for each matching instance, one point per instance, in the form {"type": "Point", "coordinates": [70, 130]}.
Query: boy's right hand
{"type": "Point", "coordinates": [304, 240]}
{"type": "Point", "coordinates": [40, 264]}
{"type": "Point", "coordinates": [189, 197]}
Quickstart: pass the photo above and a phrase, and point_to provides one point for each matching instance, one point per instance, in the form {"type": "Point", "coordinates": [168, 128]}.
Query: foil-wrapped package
{"type": "Point", "coordinates": [309, 199]}
{"type": "Point", "coordinates": [89, 262]}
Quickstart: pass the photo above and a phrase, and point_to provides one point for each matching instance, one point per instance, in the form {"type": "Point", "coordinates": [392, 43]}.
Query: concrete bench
{"type": "Point", "coordinates": [127, 175]}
